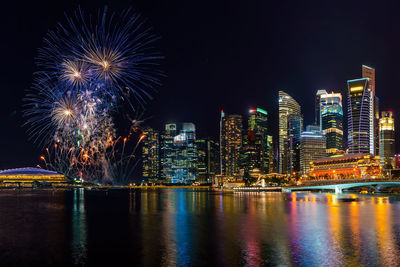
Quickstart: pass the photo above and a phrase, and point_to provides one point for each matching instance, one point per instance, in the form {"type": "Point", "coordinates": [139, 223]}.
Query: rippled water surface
{"type": "Point", "coordinates": [181, 227]}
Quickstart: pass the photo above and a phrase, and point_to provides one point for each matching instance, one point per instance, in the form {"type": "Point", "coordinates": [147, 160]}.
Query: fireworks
{"type": "Point", "coordinates": [85, 71]}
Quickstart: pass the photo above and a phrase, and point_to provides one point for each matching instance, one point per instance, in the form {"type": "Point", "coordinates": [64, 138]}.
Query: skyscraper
{"type": "Point", "coordinates": [332, 122]}
{"type": "Point", "coordinates": [179, 153]}
{"type": "Point", "coordinates": [295, 127]}
{"type": "Point", "coordinates": [360, 117]}
{"type": "Point", "coordinates": [230, 144]}
{"type": "Point", "coordinates": [317, 114]}
{"type": "Point", "coordinates": [208, 160]}
{"type": "Point", "coordinates": [368, 72]}
{"type": "Point", "coordinates": [287, 106]}
{"type": "Point", "coordinates": [168, 151]}
{"type": "Point", "coordinates": [386, 139]}
{"type": "Point", "coordinates": [271, 160]}
{"type": "Point", "coordinates": [258, 137]}
{"type": "Point", "coordinates": [189, 130]}
{"type": "Point", "coordinates": [151, 155]}
{"type": "Point", "coordinates": [201, 145]}
{"type": "Point", "coordinates": [312, 147]}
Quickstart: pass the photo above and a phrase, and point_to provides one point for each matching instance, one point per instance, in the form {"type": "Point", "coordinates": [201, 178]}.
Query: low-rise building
{"type": "Point", "coordinates": [350, 166]}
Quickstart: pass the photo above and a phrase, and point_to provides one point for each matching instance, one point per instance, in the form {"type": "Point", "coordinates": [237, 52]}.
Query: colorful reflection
{"type": "Point", "coordinates": [180, 227]}
{"type": "Point", "coordinates": [79, 231]}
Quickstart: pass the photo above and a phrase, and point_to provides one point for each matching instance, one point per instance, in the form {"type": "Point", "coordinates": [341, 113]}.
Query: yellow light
{"type": "Point", "coordinates": [106, 65]}
{"type": "Point", "coordinates": [76, 74]}
{"type": "Point", "coordinates": [356, 89]}
{"type": "Point", "coordinates": [67, 112]}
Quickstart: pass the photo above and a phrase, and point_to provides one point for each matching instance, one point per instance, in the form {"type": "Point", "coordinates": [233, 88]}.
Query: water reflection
{"type": "Point", "coordinates": [79, 235]}
{"type": "Point", "coordinates": [178, 227]}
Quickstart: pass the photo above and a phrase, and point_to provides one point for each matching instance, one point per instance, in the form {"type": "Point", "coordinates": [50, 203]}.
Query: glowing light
{"type": "Point", "coordinates": [356, 89]}
{"type": "Point", "coordinates": [84, 73]}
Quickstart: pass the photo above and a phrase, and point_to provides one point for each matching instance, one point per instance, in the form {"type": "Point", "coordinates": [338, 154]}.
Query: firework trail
{"type": "Point", "coordinates": [86, 70]}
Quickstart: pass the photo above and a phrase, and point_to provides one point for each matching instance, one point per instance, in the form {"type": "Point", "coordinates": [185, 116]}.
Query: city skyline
{"type": "Point", "coordinates": [205, 78]}
{"type": "Point", "coordinates": [200, 133]}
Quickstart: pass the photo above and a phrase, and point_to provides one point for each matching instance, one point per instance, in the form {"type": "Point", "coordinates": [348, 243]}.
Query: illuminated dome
{"type": "Point", "coordinates": [30, 175]}
{"type": "Point", "coordinates": [28, 171]}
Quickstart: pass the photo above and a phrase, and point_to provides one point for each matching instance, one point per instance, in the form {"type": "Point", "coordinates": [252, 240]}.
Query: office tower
{"type": "Point", "coordinates": [230, 144]}
{"type": "Point", "coordinates": [332, 122]}
{"type": "Point", "coordinates": [179, 153]}
{"type": "Point", "coordinates": [168, 151]}
{"type": "Point", "coordinates": [189, 130]}
{"type": "Point", "coordinates": [317, 114]}
{"type": "Point", "coordinates": [151, 155]}
{"type": "Point", "coordinates": [213, 162]}
{"type": "Point", "coordinates": [368, 72]}
{"type": "Point", "coordinates": [258, 138]}
{"type": "Point", "coordinates": [312, 147]}
{"type": "Point", "coordinates": [271, 161]}
{"type": "Point", "coordinates": [287, 106]}
{"type": "Point", "coordinates": [360, 125]}
{"type": "Point", "coordinates": [201, 145]}
{"type": "Point", "coordinates": [386, 139]}
{"type": "Point", "coordinates": [208, 160]}
{"type": "Point", "coordinates": [295, 127]}
{"type": "Point", "coordinates": [376, 125]}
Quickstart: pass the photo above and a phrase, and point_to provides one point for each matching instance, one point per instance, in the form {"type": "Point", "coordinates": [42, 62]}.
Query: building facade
{"type": "Point", "coordinates": [360, 117]}
{"type": "Point", "coordinates": [207, 160]}
{"type": "Point", "coordinates": [168, 151]}
{"type": "Point", "coordinates": [287, 106]}
{"type": "Point", "coordinates": [271, 158]}
{"type": "Point", "coordinates": [151, 155]}
{"type": "Point", "coordinates": [350, 166]}
{"type": "Point", "coordinates": [257, 147]}
{"type": "Point", "coordinates": [295, 128]}
{"type": "Point", "coordinates": [317, 114]}
{"type": "Point", "coordinates": [387, 140]}
{"type": "Point", "coordinates": [179, 154]}
{"type": "Point", "coordinates": [332, 122]}
{"type": "Point", "coordinates": [230, 144]}
{"type": "Point", "coordinates": [312, 147]}
{"type": "Point", "coordinates": [369, 73]}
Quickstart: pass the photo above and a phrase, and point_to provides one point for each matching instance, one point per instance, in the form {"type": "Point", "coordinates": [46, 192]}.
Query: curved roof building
{"type": "Point", "coordinates": [29, 175]}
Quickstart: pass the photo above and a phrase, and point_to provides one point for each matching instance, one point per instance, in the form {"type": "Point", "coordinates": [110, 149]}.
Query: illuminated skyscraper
{"type": "Point", "coordinates": [332, 122]}
{"type": "Point", "coordinates": [179, 154]}
{"type": "Point", "coordinates": [295, 127]}
{"type": "Point", "coordinates": [168, 151]}
{"type": "Point", "coordinates": [230, 144]}
{"type": "Point", "coordinates": [255, 156]}
{"type": "Point", "coordinates": [386, 139]}
{"type": "Point", "coordinates": [271, 161]}
{"type": "Point", "coordinates": [312, 147]}
{"type": "Point", "coordinates": [287, 106]}
{"type": "Point", "coordinates": [317, 114]}
{"type": "Point", "coordinates": [360, 117]}
{"type": "Point", "coordinates": [189, 130]}
{"type": "Point", "coordinates": [368, 72]}
{"type": "Point", "coordinates": [258, 137]}
{"type": "Point", "coordinates": [151, 155]}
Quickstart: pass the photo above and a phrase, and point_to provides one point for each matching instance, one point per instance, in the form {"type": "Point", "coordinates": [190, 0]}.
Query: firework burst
{"type": "Point", "coordinates": [85, 69]}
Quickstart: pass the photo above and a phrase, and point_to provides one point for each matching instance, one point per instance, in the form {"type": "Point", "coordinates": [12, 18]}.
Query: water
{"type": "Point", "coordinates": [184, 227]}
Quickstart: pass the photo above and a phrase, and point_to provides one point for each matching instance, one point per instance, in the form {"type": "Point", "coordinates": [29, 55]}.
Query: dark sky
{"type": "Point", "coordinates": [219, 54]}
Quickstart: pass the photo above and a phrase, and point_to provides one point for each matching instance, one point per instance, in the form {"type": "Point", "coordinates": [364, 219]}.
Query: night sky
{"type": "Point", "coordinates": [219, 54]}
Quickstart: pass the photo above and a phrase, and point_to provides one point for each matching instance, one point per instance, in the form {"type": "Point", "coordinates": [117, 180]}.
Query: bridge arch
{"type": "Point", "coordinates": [338, 188]}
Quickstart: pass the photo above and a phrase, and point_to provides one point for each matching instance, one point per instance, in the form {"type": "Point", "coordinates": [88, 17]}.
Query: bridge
{"type": "Point", "coordinates": [339, 187]}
